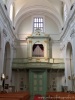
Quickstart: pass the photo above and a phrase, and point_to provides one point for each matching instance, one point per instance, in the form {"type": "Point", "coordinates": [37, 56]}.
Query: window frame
{"type": "Point", "coordinates": [39, 16]}
{"type": "Point", "coordinates": [65, 12]}
{"type": "Point", "coordinates": [11, 11]}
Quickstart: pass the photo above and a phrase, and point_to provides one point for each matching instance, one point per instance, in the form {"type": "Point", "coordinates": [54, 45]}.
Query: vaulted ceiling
{"type": "Point", "coordinates": [51, 8]}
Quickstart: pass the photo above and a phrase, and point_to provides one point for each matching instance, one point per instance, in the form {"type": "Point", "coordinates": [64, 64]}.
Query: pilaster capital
{"type": "Point", "coordinates": [46, 41]}
{"type": "Point", "coordinates": [30, 41]}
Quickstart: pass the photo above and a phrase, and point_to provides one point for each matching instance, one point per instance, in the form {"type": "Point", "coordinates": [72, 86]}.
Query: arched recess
{"type": "Point", "coordinates": [11, 12]}
{"type": "Point", "coordinates": [37, 11]}
{"type": "Point", "coordinates": [38, 50]}
{"type": "Point", "coordinates": [0, 41]}
{"type": "Point", "coordinates": [6, 67]}
{"type": "Point", "coordinates": [0, 50]}
{"type": "Point", "coordinates": [70, 69]}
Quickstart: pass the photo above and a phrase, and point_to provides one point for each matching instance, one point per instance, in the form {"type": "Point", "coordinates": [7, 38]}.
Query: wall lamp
{"type": "Point", "coordinates": [3, 80]}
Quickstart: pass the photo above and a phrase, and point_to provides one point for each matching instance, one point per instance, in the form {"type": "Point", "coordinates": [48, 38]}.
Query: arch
{"type": "Point", "coordinates": [38, 50]}
{"type": "Point", "coordinates": [0, 41]}
{"type": "Point", "coordinates": [6, 67]}
{"type": "Point", "coordinates": [51, 13]}
{"type": "Point", "coordinates": [0, 47]}
{"type": "Point", "coordinates": [70, 69]}
{"type": "Point", "coordinates": [65, 12]}
{"type": "Point", "coordinates": [11, 12]}
{"type": "Point", "coordinates": [69, 54]}
{"type": "Point", "coordinates": [22, 8]}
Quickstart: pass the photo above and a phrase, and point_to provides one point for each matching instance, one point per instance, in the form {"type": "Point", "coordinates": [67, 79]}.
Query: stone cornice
{"type": "Point", "coordinates": [55, 41]}
{"type": "Point", "coordinates": [41, 37]}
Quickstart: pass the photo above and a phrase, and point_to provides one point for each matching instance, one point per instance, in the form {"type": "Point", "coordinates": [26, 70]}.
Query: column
{"type": "Point", "coordinates": [46, 49]}
{"type": "Point", "coordinates": [29, 48]}
{"type": "Point", "coordinates": [73, 61]}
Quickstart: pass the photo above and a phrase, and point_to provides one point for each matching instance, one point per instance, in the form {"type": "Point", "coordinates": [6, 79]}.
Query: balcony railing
{"type": "Point", "coordinates": [38, 63]}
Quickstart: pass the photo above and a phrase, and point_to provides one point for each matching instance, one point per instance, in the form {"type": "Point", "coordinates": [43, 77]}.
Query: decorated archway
{"type": "Point", "coordinates": [70, 69]}
{"type": "Point", "coordinates": [38, 50]}
{"type": "Point", "coordinates": [6, 68]}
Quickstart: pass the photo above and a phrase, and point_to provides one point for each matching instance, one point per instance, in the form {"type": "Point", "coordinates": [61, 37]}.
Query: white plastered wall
{"type": "Point", "coordinates": [69, 37]}
{"type": "Point", "coordinates": [6, 36]}
{"type": "Point", "coordinates": [18, 76]}
{"type": "Point", "coordinates": [55, 80]}
{"type": "Point", "coordinates": [26, 28]}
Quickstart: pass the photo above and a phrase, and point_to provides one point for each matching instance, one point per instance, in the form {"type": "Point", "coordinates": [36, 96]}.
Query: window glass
{"type": "Point", "coordinates": [65, 12]}
{"type": "Point", "coordinates": [38, 23]}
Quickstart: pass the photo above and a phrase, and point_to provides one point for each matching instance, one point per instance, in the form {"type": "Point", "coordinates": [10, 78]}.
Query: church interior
{"type": "Point", "coordinates": [37, 49]}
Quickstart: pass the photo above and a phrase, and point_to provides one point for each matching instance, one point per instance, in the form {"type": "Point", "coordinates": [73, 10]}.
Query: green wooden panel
{"type": "Point", "coordinates": [38, 81]}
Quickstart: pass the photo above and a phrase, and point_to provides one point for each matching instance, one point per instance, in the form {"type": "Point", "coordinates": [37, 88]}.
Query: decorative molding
{"type": "Point", "coordinates": [37, 33]}
{"type": "Point", "coordinates": [0, 30]}
{"type": "Point", "coordinates": [4, 18]}
{"type": "Point", "coordinates": [73, 33]}
{"type": "Point", "coordinates": [46, 58]}
{"type": "Point", "coordinates": [4, 33]}
{"type": "Point", "coordinates": [46, 41]}
{"type": "Point", "coordinates": [30, 41]}
{"type": "Point", "coordinates": [62, 46]}
{"type": "Point", "coordinates": [46, 34]}
{"type": "Point", "coordinates": [30, 58]}
{"type": "Point", "coordinates": [38, 64]}
{"type": "Point", "coordinates": [36, 10]}
{"type": "Point", "coordinates": [38, 59]}
{"type": "Point", "coordinates": [69, 23]}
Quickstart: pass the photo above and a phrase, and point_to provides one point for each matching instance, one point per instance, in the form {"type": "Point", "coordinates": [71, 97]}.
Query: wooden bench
{"type": "Point", "coordinates": [15, 96]}
{"type": "Point", "coordinates": [8, 99]}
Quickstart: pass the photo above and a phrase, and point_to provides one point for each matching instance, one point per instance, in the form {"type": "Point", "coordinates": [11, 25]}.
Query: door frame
{"type": "Point", "coordinates": [31, 71]}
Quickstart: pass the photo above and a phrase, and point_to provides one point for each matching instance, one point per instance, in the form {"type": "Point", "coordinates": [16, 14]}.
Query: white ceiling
{"type": "Point", "coordinates": [51, 8]}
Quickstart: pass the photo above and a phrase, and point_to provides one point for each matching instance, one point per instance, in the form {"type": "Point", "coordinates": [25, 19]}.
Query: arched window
{"type": "Point", "coordinates": [11, 12]}
{"type": "Point", "coordinates": [69, 65]}
{"type": "Point", "coordinates": [65, 12]}
{"type": "Point", "coordinates": [38, 23]}
{"type": "Point", "coordinates": [38, 50]}
{"type": "Point", "coordinates": [0, 41]}
{"type": "Point", "coordinates": [7, 62]}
